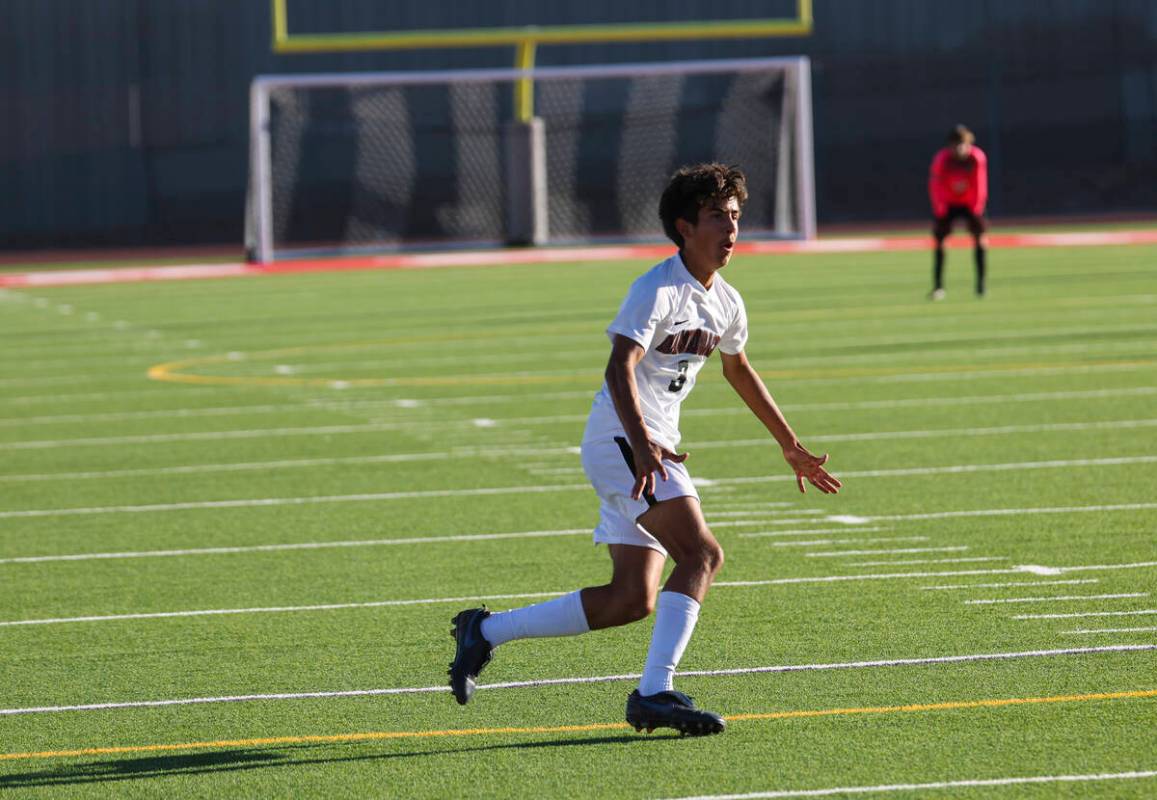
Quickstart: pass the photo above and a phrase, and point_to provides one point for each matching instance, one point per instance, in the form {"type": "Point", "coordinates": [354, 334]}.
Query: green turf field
{"type": "Point", "coordinates": [339, 463]}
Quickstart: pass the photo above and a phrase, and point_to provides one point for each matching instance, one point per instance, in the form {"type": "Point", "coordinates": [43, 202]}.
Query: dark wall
{"type": "Point", "coordinates": [125, 121]}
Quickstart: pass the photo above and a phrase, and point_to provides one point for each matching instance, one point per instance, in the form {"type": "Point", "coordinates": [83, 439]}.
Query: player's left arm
{"type": "Point", "coordinates": [749, 386]}
{"type": "Point", "coordinates": [981, 181]}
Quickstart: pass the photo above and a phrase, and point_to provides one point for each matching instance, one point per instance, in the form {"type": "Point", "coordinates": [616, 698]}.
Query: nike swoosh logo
{"type": "Point", "coordinates": [682, 321]}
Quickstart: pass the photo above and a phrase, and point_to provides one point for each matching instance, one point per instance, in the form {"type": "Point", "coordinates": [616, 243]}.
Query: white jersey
{"type": "Point", "coordinates": [679, 324]}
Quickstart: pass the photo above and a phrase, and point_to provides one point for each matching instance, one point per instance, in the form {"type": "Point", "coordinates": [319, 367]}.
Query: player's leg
{"type": "Point", "coordinates": [941, 227]}
{"type": "Point", "coordinates": [679, 525]}
{"type": "Point", "coordinates": [628, 597]}
{"type": "Point", "coordinates": [978, 227]}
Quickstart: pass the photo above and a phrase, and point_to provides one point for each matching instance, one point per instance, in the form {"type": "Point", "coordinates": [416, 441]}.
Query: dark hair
{"type": "Point", "coordinates": [959, 135]}
{"type": "Point", "coordinates": [693, 187]}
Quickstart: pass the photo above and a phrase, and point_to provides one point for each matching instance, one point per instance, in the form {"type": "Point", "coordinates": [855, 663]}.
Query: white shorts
{"type": "Point", "coordinates": [609, 466]}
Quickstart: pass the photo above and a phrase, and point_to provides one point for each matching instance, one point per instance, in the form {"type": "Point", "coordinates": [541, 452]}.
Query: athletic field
{"type": "Point", "coordinates": [235, 577]}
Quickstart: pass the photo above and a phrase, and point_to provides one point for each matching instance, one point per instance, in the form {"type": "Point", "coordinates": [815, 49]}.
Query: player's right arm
{"type": "Point", "coordinates": [937, 194]}
{"type": "Point", "coordinates": [624, 390]}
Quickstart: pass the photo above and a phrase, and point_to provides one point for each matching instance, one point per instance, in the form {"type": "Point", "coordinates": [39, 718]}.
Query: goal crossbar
{"type": "Point", "coordinates": [260, 213]}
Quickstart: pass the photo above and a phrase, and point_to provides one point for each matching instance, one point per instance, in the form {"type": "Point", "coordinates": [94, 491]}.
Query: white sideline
{"type": "Point", "coordinates": [377, 427]}
{"type": "Point", "coordinates": [1055, 599]}
{"type": "Point", "coordinates": [919, 402]}
{"type": "Point", "coordinates": [1000, 512]}
{"type": "Point", "coordinates": [538, 488]}
{"type": "Point", "coordinates": [799, 531]}
{"type": "Point", "coordinates": [824, 542]}
{"type": "Point", "coordinates": [920, 787]}
{"type": "Point", "coordinates": [438, 600]}
{"type": "Point", "coordinates": [560, 451]}
{"type": "Point", "coordinates": [265, 548]}
{"type": "Point", "coordinates": [295, 501]}
{"type": "Point", "coordinates": [926, 561]}
{"type": "Point", "coordinates": [213, 612]}
{"type": "Point", "coordinates": [1140, 612]}
{"type": "Point", "coordinates": [1004, 585]}
{"type": "Point", "coordinates": [896, 662]}
{"type": "Point", "coordinates": [838, 553]}
{"type": "Point", "coordinates": [909, 377]}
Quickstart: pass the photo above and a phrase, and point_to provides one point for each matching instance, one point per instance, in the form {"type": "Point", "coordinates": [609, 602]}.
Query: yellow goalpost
{"type": "Point", "coordinates": [526, 39]}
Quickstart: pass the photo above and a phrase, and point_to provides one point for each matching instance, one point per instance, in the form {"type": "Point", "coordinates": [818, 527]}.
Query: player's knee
{"type": "Point", "coordinates": [635, 604]}
{"type": "Point", "coordinates": [709, 556]}
{"type": "Point", "coordinates": [714, 558]}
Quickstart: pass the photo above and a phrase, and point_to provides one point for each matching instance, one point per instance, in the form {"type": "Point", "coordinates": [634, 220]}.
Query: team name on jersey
{"type": "Point", "coordinates": [699, 342]}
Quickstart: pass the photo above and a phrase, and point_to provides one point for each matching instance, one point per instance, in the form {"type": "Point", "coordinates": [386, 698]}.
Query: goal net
{"type": "Point", "coordinates": [363, 162]}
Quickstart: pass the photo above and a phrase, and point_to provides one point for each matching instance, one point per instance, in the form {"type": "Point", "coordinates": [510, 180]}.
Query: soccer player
{"type": "Point", "coordinates": [958, 189]}
{"type": "Point", "coordinates": [673, 318]}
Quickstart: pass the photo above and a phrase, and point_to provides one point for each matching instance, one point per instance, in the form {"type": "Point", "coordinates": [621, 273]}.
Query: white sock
{"type": "Point", "coordinates": [562, 616]}
{"type": "Point", "coordinates": [675, 620]}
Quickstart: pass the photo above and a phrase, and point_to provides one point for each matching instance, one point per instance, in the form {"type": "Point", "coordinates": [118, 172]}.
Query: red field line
{"type": "Point", "coordinates": [480, 258]}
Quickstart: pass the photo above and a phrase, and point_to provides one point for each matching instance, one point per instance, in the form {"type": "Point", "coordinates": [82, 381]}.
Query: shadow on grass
{"type": "Point", "coordinates": [127, 769]}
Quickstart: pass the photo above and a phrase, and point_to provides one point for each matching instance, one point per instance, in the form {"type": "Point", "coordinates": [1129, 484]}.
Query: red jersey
{"type": "Point", "coordinates": [952, 182]}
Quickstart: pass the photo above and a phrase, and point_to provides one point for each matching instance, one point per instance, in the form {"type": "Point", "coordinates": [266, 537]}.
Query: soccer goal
{"type": "Point", "coordinates": [364, 162]}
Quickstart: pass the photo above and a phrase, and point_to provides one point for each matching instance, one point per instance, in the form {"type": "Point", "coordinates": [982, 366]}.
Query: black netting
{"type": "Point", "coordinates": [388, 166]}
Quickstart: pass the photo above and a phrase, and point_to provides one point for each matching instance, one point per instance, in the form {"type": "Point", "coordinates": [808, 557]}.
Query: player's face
{"type": "Point", "coordinates": [962, 150]}
{"type": "Point", "coordinates": [711, 240]}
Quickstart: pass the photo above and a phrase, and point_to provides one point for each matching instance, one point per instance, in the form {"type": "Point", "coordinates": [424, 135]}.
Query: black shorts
{"type": "Point", "coordinates": [942, 226]}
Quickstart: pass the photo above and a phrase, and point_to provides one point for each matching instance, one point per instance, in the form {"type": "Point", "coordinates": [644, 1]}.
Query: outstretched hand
{"type": "Point", "coordinates": [811, 467]}
{"type": "Point", "coordinates": [648, 461]}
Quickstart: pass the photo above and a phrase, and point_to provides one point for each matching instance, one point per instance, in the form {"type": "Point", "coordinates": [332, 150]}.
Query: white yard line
{"type": "Point", "coordinates": [381, 427]}
{"type": "Point", "coordinates": [755, 519]}
{"type": "Point", "coordinates": [928, 787]}
{"type": "Point", "coordinates": [767, 512]}
{"type": "Point", "coordinates": [295, 501]}
{"type": "Point", "coordinates": [1065, 598]}
{"type": "Point", "coordinates": [267, 548]}
{"type": "Point", "coordinates": [823, 542]}
{"type": "Point", "coordinates": [839, 553]}
{"type": "Point", "coordinates": [895, 662]}
{"type": "Point", "coordinates": [1111, 630]}
{"type": "Point", "coordinates": [536, 488]}
{"type": "Point", "coordinates": [926, 402]}
{"type": "Point", "coordinates": [1015, 512]}
{"type": "Point", "coordinates": [1138, 613]}
{"type": "Point", "coordinates": [164, 413]}
{"type": "Point", "coordinates": [468, 401]}
{"type": "Point", "coordinates": [362, 405]}
{"type": "Point", "coordinates": [212, 612]}
{"type": "Point", "coordinates": [1005, 585]}
{"type": "Point", "coordinates": [439, 600]}
{"type": "Point", "coordinates": [65, 397]}
{"type": "Point", "coordinates": [516, 452]}
{"type": "Point", "coordinates": [924, 377]}
{"type": "Point", "coordinates": [806, 532]}
{"type": "Point", "coordinates": [925, 561]}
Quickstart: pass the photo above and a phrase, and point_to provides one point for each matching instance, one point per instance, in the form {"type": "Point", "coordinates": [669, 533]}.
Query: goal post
{"type": "Point", "coordinates": [360, 162]}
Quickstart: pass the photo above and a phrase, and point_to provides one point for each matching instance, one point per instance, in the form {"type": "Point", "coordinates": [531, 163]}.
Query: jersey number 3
{"type": "Point", "coordinates": [680, 379]}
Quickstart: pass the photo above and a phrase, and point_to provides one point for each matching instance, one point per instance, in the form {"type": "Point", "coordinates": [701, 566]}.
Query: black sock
{"type": "Point", "coordinates": [980, 253]}
{"type": "Point", "coordinates": [938, 268]}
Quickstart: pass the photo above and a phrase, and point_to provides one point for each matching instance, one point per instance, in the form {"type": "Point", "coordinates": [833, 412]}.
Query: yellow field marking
{"type": "Point", "coordinates": [950, 706]}
{"type": "Point", "coordinates": [596, 726]}
{"type": "Point", "coordinates": [173, 371]}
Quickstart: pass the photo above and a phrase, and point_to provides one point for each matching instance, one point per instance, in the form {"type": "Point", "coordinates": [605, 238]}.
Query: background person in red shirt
{"type": "Point", "coordinates": [958, 189]}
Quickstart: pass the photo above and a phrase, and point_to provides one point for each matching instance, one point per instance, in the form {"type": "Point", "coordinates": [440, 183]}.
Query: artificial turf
{"type": "Point", "coordinates": [356, 439]}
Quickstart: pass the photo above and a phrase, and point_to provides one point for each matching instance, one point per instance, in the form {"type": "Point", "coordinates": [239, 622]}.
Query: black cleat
{"type": "Point", "coordinates": [472, 654]}
{"type": "Point", "coordinates": [671, 710]}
